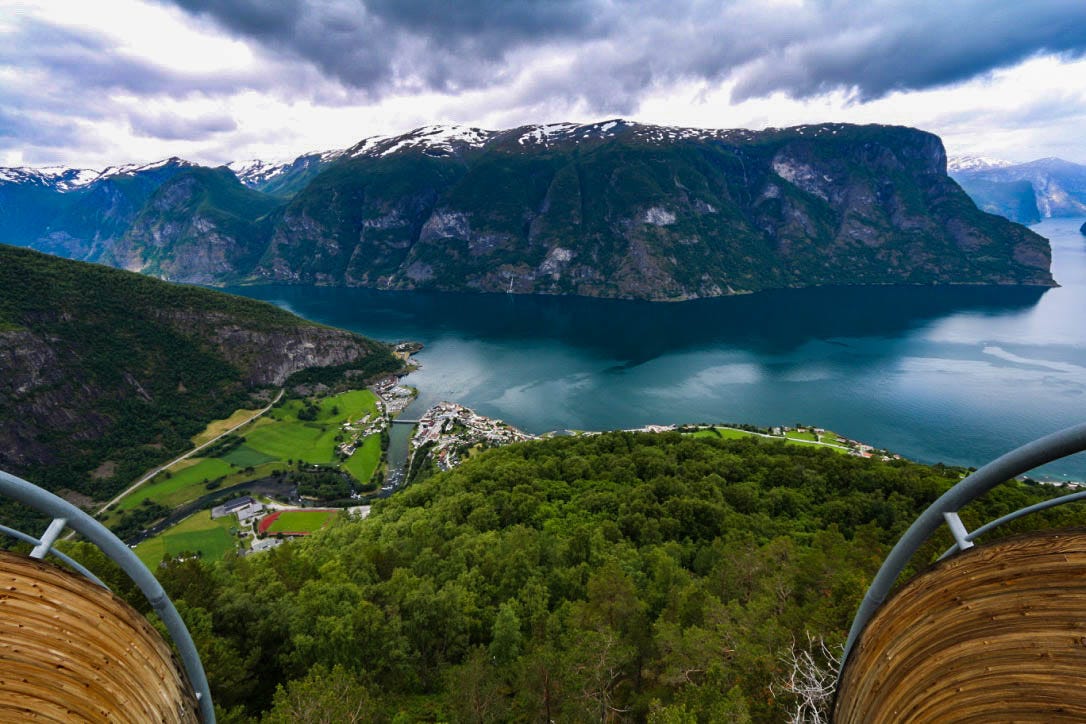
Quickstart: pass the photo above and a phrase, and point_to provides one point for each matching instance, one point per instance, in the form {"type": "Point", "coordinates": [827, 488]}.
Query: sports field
{"type": "Point", "coordinates": [296, 522]}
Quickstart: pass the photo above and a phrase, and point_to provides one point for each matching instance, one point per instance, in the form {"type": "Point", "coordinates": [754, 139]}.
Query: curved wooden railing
{"type": "Point", "coordinates": [66, 515]}
{"type": "Point", "coordinates": [868, 677]}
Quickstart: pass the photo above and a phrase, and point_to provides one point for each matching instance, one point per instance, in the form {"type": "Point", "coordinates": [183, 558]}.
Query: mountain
{"type": "Point", "coordinates": [611, 209]}
{"type": "Point", "coordinates": [966, 163]}
{"type": "Point", "coordinates": [282, 178]}
{"type": "Point", "coordinates": [105, 372]}
{"type": "Point", "coordinates": [76, 213]}
{"type": "Point", "coordinates": [1026, 192]}
{"type": "Point", "coordinates": [199, 226]}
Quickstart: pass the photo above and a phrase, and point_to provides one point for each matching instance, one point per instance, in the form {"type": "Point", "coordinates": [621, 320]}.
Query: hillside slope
{"type": "Point", "coordinates": [618, 577]}
{"type": "Point", "coordinates": [104, 372]}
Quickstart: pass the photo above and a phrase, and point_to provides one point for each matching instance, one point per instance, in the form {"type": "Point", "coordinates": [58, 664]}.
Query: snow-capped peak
{"type": "Point", "coordinates": [440, 139]}
{"type": "Point", "coordinates": [60, 178]}
{"type": "Point", "coordinates": [966, 162]}
{"type": "Point", "coordinates": [69, 179]}
{"type": "Point", "coordinates": [544, 134]}
{"type": "Point", "coordinates": [256, 171]}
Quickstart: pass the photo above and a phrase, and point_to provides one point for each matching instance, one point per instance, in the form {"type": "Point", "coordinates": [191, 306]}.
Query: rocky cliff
{"type": "Point", "coordinates": [626, 210]}
{"type": "Point", "coordinates": [103, 372]}
{"type": "Point", "coordinates": [613, 209]}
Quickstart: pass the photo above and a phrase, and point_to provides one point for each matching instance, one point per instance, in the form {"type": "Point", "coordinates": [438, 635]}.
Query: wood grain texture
{"type": "Point", "coordinates": [72, 651]}
{"type": "Point", "coordinates": [997, 633]}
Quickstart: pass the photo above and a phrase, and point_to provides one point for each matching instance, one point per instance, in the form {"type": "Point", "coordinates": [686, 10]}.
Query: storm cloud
{"type": "Point", "coordinates": [619, 48]}
{"type": "Point", "coordinates": [223, 79]}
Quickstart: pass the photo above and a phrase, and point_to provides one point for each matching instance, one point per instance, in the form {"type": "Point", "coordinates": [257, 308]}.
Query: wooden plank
{"type": "Point", "coordinates": [996, 633]}
{"type": "Point", "coordinates": [72, 651]}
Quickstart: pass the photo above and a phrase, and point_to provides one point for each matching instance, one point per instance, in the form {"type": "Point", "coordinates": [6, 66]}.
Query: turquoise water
{"type": "Point", "coordinates": [958, 374]}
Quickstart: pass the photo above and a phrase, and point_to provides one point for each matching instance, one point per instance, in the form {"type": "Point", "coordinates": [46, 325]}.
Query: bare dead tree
{"type": "Point", "coordinates": [810, 679]}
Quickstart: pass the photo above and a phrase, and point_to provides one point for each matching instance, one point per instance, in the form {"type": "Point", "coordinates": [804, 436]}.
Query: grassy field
{"type": "Point", "coordinates": [801, 435]}
{"type": "Point", "coordinates": [726, 433]}
{"type": "Point", "coordinates": [285, 437]}
{"type": "Point", "coordinates": [185, 477]}
{"type": "Point", "coordinates": [269, 443]}
{"type": "Point", "coordinates": [297, 521]}
{"type": "Point", "coordinates": [212, 538]}
{"type": "Point", "coordinates": [218, 427]}
{"type": "Point", "coordinates": [363, 464]}
{"type": "Point", "coordinates": [244, 456]}
{"type": "Point", "coordinates": [798, 438]}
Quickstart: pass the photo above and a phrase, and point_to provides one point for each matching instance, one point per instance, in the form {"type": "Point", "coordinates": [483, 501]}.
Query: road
{"type": "Point", "coordinates": [190, 453]}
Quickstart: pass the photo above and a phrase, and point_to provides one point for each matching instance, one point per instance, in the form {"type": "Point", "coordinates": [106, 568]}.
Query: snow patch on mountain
{"type": "Point", "coordinates": [435, 140]}
{"type": "Point", "coordinates": [965, 163]}
{"type": "Point", "coordinates": [69, 179]}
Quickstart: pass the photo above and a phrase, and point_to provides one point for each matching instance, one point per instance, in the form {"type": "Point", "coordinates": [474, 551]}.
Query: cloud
{"type": "Point", "coordinates": [621, 48]}
{"type": "Point", "coordinates": [173, 127]}
{"type": "Point", "coordinates": [387, 45]}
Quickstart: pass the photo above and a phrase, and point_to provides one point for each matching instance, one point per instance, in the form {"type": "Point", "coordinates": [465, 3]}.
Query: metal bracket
{"type": "Point", "coordinates": [957, 529]}
{"type": "Point", "coordinates": [48, 538]}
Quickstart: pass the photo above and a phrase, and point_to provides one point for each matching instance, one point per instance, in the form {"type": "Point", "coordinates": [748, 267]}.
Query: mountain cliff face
{"type": "Point", "coordinates": [103, 372]}
{"type": "Point", "coordinates": [623, 210]}
{"type": "Point", "coordinates": [77, 213]}
{"type": "Point", "coordinates": [1026, 192]}
{"type": "Point", "coordinates": [612, 209]}
{"type": "Point", "coordinates": [199, 227]}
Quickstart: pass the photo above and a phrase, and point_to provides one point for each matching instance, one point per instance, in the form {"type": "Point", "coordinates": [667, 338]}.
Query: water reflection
{"type": "Point", "coordinates": [774, 322]}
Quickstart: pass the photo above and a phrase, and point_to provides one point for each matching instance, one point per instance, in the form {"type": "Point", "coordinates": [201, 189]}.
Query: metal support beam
{"type": "Point", "coordinates": [1043, 505]}
{"type": "Point", "coordinates": [1021, 460]}
{"type": "Point", "coordinates": [48, 538]}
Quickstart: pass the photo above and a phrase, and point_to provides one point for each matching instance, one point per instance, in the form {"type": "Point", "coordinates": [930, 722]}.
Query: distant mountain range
{"type": "Point", "coordinates": [611, 209]}
{"type": "Point", "coordinates": [1023, 192]}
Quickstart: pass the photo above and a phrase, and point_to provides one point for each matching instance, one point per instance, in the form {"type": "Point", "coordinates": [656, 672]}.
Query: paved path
{"type": "Point", "coordinates": [190, 453]}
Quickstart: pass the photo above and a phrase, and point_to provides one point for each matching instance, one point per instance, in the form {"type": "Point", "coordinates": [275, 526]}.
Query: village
{"type": "Point", "coordinates": [450, 431]}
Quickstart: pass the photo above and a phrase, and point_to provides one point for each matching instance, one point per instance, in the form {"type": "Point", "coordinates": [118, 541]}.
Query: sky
{"type": "Point", "coordinates": [91, 84]}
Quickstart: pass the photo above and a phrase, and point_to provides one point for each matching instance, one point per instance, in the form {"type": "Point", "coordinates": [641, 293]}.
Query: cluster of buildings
{"type": "Point", "coordinates": [245, 508]}
{"type": "Point", "coordinates": [248, 510]}
{"type": "Point", "coordinates": [453, 429]}
{"type": "Point", "coordinates": [393, 396]}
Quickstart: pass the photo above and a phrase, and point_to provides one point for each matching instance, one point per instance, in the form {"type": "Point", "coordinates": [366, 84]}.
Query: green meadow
{"type": "Point", "coordinates": [363, 463]}
{"type": "Point", "coordinates": [197, 533]}
{"type": "Point", "coordinates": [176, 488]}
{"type": "Point", "coordinates": [271, 443]}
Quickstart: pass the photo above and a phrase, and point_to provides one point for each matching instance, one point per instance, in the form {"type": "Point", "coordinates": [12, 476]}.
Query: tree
{"type": "Point", "coordinates": [810, 679]}
{"type": "Point", "coordinates": [324, 697]}
{"type": "Point", "coordinates": [506, 641]}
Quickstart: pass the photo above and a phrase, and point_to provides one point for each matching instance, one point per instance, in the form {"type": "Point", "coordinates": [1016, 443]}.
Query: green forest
{"type": "Point", "coordinates": [614, 577]}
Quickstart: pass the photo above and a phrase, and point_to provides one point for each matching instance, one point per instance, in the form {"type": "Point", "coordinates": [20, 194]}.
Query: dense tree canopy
{"type": "Point", "coordinates": [599, 578]}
